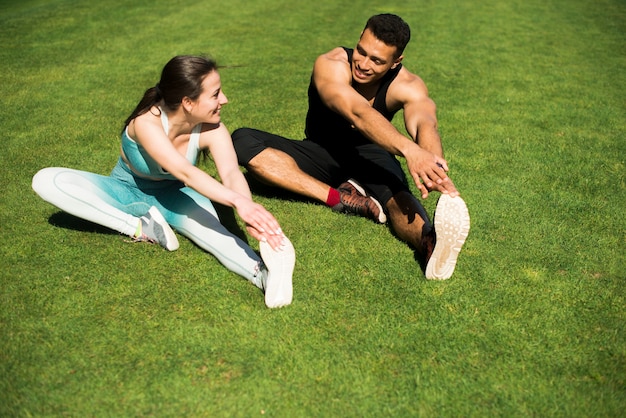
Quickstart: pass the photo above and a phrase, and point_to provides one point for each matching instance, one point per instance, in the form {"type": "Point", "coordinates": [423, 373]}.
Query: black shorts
{"type": "Point", "coordinates": [377, 170]}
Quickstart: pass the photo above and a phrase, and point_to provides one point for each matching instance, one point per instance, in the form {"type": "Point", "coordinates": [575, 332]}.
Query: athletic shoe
{"type": "Point", "coordinates": [355, 201]}
{"type": "Point", "coordinates": [452, 224]}
{"type": "Point", "coordinates": [156, 230]}
{"type": "Point", "coordinates": [277, 283]}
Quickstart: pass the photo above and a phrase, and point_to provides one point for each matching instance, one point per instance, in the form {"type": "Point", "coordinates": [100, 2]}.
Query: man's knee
{"type": "Point", "coordinates": [247, 145]}
{"type": "Point", "coordinates": [241, 134]}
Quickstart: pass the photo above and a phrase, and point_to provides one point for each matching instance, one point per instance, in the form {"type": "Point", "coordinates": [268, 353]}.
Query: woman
{"type": "Point", "coordinates": [156, 184]}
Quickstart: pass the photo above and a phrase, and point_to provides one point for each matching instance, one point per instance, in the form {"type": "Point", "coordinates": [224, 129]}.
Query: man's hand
{"type": "Point", "coordinates": [429, 172]}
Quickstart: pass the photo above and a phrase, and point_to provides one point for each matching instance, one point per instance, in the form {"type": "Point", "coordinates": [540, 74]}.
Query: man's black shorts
{"type": "Point", "coordinates": [377, 170]}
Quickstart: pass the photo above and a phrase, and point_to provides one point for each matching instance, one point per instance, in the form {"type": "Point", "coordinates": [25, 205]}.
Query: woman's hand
{"type": "Point", "coordinates": [260, 224]}
{"type": "Point", "coordinates": [275, 241]}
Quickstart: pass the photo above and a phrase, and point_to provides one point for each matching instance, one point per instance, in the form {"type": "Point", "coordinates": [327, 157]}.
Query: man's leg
{"type": "Point", "coordinates": [302, 167]}
{"type": "Point", "coordinates": [277, 168]}
{"type": "Point", "coordinates": [410, 223]}
{"type": "Point", "coordinates": [437, 246]}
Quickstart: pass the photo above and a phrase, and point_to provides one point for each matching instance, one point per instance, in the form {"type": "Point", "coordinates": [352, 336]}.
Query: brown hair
{"type": "Point", "coordinates": [181, 77]}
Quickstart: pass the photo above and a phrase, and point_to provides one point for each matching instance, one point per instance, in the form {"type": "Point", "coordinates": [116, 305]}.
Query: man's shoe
{"type": "Point", "coordinates": [452, 225]}
{"type": "Point", "coordinates": [355, 201]}
{"type": "Point", "coordinates": [156, 230]}
{"type": "Point", "coordinates": [277, 282]}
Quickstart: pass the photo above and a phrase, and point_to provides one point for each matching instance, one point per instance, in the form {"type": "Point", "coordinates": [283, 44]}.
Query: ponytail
{"type": "Point", "coordinates": [151, 97]}
{"type": "Point", "coordinates": [181, 77]}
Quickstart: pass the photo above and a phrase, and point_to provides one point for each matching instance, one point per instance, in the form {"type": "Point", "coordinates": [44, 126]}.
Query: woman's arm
{"type": "Point", "coordinates": [220, 145]}
{"type": "Point", "coordinates": [149, 133]}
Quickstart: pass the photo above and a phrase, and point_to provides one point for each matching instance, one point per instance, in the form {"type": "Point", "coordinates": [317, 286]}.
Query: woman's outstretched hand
{"type": "Point", "coordinates": [275, 241]}
{"type": "Point", "coordinates": [260, 224]}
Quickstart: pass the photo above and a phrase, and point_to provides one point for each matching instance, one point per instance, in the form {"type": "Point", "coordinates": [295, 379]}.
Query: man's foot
{"type": "Point", "coordinates": [156, 230]}
{"type": "Point", "coordinates": [278, 281]}
{"type": "Point", "coordinates": [355, 201]}
{"type": "Point", "coordinates": [452, 224]}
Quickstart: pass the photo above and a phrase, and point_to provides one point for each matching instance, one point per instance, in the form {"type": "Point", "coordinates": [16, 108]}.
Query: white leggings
{"type": "Point", "coordinates": [117, 201]}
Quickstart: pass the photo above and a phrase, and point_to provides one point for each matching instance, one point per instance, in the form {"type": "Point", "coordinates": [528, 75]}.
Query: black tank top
{"type": "Point", "coordinates": [330, 129]}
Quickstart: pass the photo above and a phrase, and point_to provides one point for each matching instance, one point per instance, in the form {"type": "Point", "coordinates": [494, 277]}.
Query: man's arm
{"type": "Point", "coordinates": [420, 119]}
{"type": "Point", "coordinates": [332, 76]}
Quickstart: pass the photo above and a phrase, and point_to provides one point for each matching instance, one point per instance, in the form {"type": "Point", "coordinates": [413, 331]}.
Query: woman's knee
{"type": "Point", "coordinates": [43, 180]}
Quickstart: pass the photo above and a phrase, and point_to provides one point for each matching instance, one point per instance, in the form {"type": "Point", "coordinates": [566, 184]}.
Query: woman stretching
{"type": "Point", "coordinates": [156, 184]}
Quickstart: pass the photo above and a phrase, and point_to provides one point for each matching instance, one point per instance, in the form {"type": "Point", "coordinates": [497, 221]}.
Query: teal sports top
{"type": "Point", "coordinates": [138, 162]}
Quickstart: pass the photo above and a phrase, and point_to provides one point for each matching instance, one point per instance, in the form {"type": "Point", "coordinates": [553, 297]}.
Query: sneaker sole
{"type": "Point", "coordinates": [382, 218]}
{"type": "Point", "coordinates": [452, 225]}
{"type": "Point", "coordinates": [171, 242]}
{"type": "Point", "coordinates": [280, 265]}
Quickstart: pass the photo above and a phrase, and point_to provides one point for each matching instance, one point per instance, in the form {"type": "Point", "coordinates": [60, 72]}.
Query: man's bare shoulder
{"type": "Point", "coordinates": [407, 87]}
{"type": "Point", "coordinates": [332, 66]}
{"type": "Point", "coordinates": [336, 54]}
{"type": "Point", "coordinates": [412, 82]}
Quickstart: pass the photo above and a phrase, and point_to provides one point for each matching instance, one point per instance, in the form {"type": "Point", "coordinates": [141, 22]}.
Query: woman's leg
{"type": "Point", "coordinates": [104, 200]}
{"type": "Point", "coordinates": [193, 215]}
{"type": "Point", "coordinates": [85, 195]}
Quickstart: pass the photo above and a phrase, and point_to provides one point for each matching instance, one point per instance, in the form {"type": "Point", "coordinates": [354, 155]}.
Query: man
{"type": "Point", "coordinates": [348, 158]}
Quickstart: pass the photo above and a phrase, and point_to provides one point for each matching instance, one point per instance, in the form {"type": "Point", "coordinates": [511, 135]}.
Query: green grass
{"type": "Point", "coordinates": [531, 108]}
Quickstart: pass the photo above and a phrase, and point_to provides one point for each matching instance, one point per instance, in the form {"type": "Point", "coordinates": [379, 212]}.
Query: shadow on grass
{"type": "Point", "coordinates": [228, 219]}
{"type": "Point", "coordinates": [67, 221]}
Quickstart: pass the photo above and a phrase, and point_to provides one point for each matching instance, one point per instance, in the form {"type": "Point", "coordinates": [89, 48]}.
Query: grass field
{"type": "Point", "coordinates": [532, 112]}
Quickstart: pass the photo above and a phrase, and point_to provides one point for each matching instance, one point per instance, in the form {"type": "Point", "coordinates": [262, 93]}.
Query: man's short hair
{"type": "Point", "coordinates": [390, 29]}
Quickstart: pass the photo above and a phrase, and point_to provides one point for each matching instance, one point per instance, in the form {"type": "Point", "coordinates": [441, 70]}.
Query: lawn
{"type": "Point", "coordinates": [532, 113]}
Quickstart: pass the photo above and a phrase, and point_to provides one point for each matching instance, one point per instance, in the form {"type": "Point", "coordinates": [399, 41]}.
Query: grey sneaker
{"type": "Point", "coordinates": [452, 225]}
{"type": "Point", "coordinates": [277, 283]}
{"type": "Point", "coordinates": [156, 230]}
{"type": "Point", "coordinates": [354, 200]}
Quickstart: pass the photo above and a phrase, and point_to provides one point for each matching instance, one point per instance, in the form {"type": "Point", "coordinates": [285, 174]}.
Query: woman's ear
{"type": "Point", "coordinates": [187, 104]}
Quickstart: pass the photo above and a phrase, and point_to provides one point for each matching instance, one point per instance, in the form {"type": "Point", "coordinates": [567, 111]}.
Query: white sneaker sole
{"type": "Point", "coordinates": [171, 242]}
{"type": "Point", "coordinates": [452, 225]}
{"type": "Point", "coordinates": [382, 218]}
{"type": "Point", "coordinates": [280, 265]}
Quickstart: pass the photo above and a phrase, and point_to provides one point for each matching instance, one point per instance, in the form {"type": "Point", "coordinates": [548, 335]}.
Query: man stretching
{"type": "Point", "coordinates": [348, 158]}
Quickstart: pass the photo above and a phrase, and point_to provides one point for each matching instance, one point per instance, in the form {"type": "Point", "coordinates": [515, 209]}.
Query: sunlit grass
{"type": "Point", "coordinates": [530, 104]}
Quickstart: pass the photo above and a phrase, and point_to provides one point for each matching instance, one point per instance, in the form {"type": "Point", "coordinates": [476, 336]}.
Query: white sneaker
{"type": "Point", "coordinates": [452, 225]}
{"type": "Point", "coordinates": [280, 264]}
{"type": "Point", "coordinates": [156, 230]}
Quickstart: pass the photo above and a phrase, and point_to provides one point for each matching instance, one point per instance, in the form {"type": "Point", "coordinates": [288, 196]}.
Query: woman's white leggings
{"type": "Point", "coordinates": [117, 201]}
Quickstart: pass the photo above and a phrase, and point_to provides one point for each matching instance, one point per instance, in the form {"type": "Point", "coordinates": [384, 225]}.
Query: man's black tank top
{"type": "Point", "coordinates": [330, 129]}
